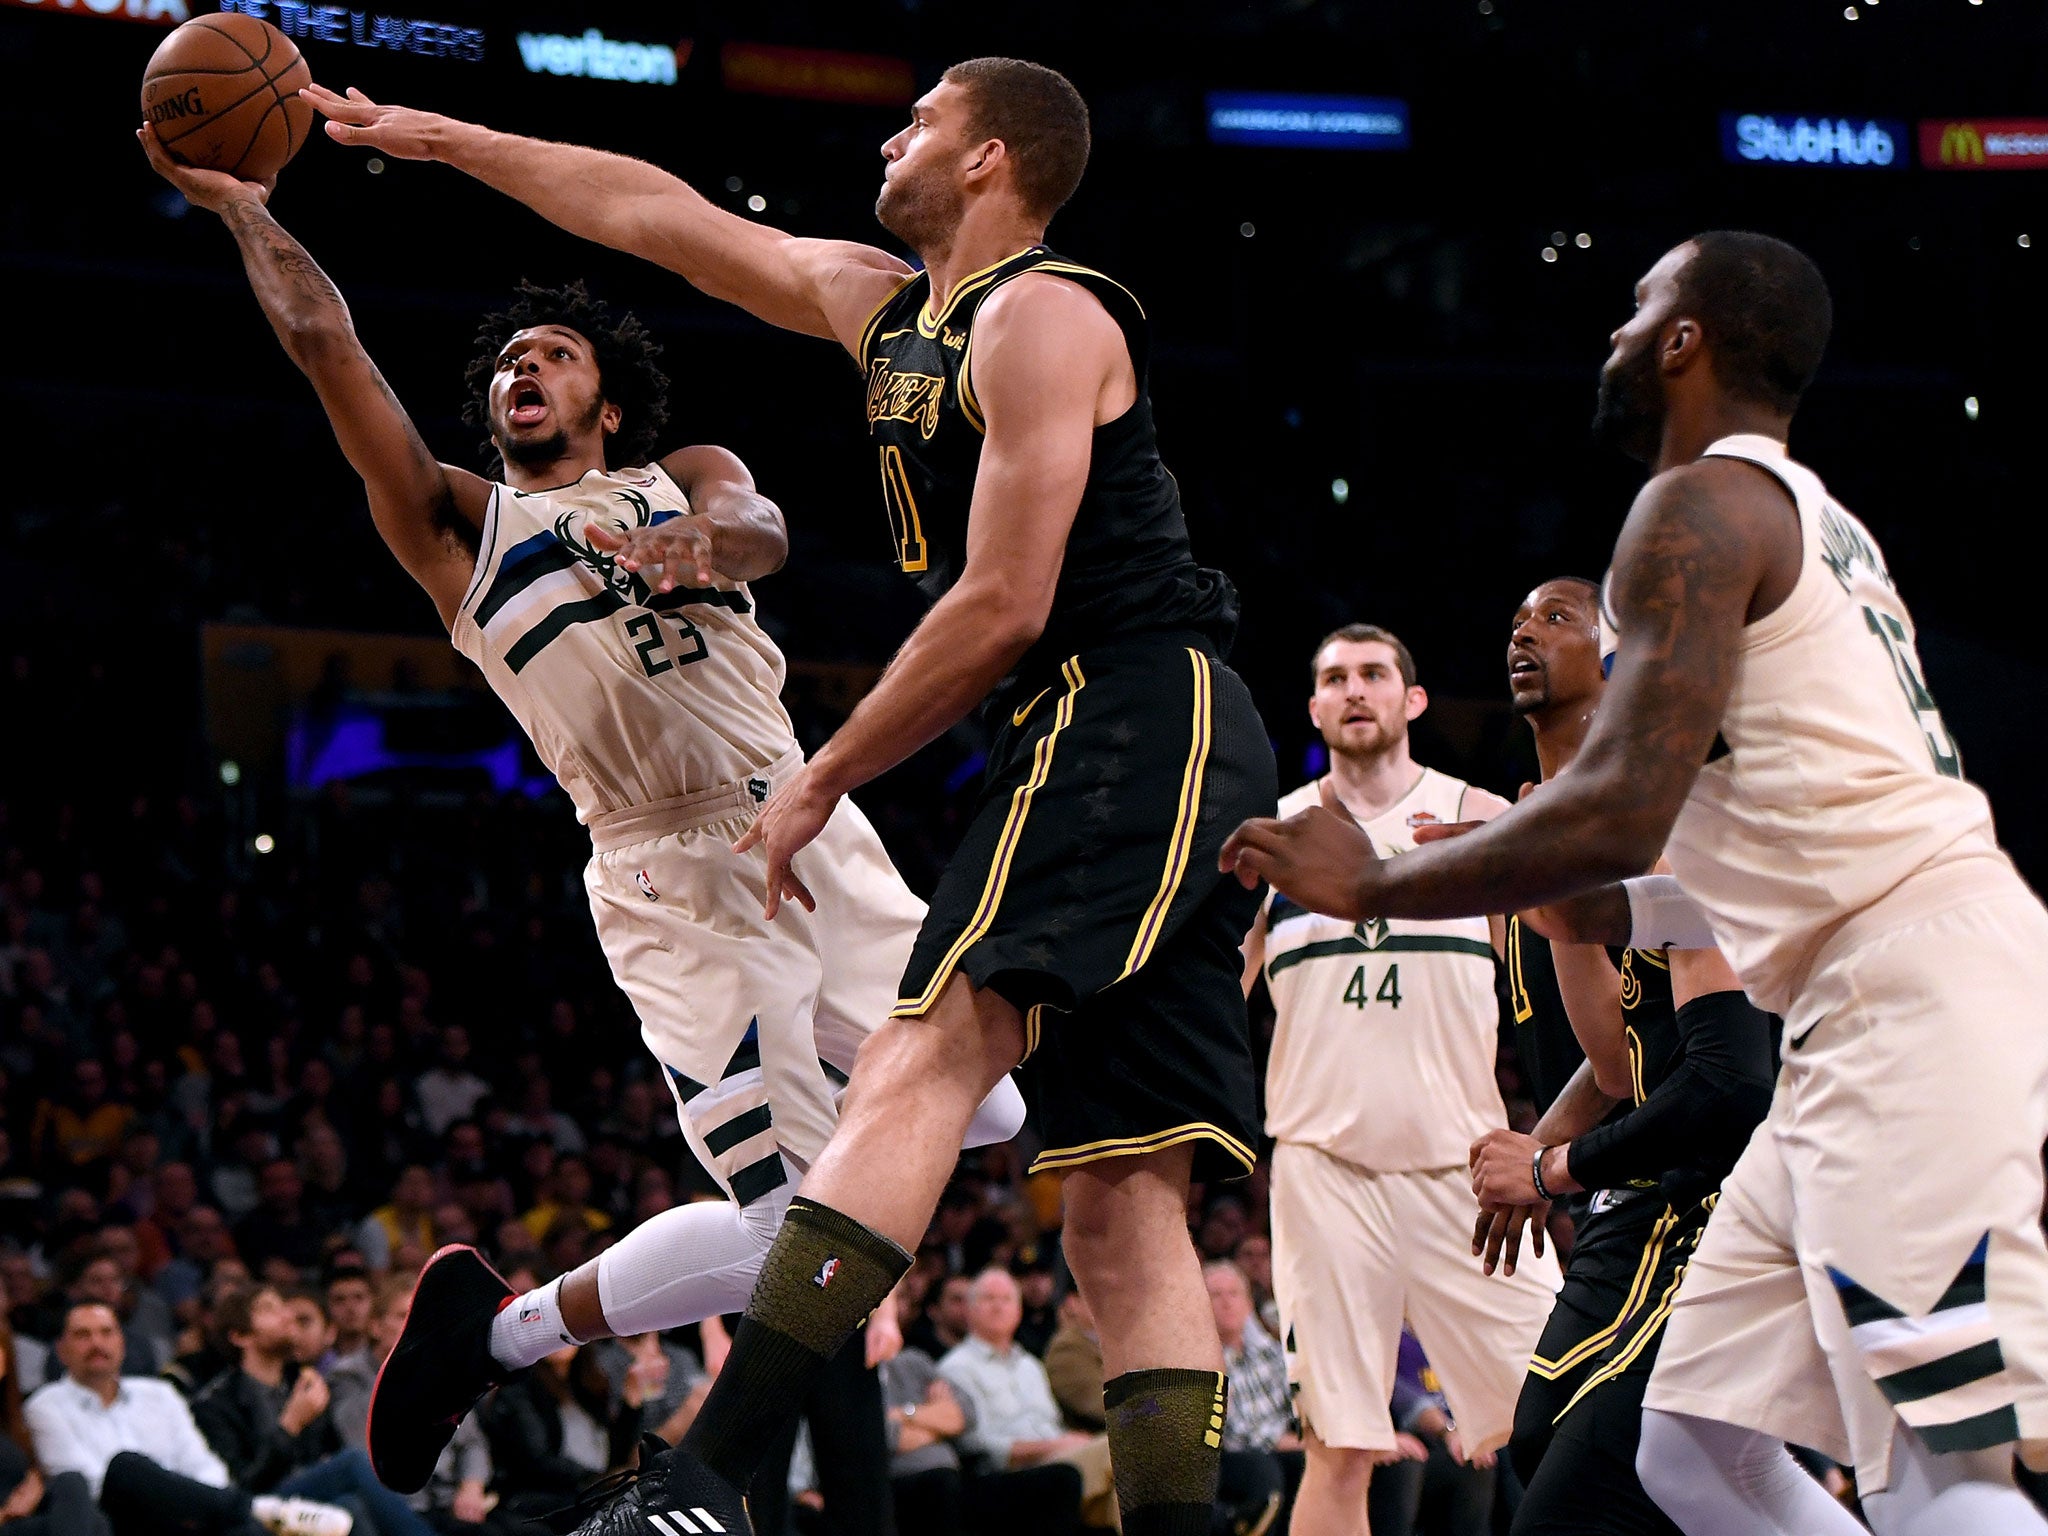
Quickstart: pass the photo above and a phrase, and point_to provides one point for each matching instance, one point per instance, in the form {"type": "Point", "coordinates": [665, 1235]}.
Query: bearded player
{"type": "Point", "coordinates": [653, 696]}
{"type": "Point", "coordinates": [1874, 1281]}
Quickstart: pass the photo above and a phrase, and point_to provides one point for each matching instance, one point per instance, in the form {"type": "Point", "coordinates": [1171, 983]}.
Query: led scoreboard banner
{"type": "Point", "coordinates": [1984, 144]}
{"type": "Point", "coordinates": [1288, 120]}
{"type": "Point", "coordinates": [1762, 138]}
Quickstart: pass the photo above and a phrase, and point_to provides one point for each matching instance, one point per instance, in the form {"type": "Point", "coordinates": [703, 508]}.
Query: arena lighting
{"type": "Point", "coordinates": [1582, 240]}
{"type": "Point", "coordinates": [231, 773]}
{"type": "Point", "coordinates": [1340, 490]}
{"type": "Point", "coordinates": [2025, 241]}
{"type": "Point", "coordinates": [1550, 253]}
{"type": "Point", "coordinates": [264, 842]}
{"type": "Point", "coordinates": [1247, 229]}
{"type": "Point", "coordinates": [1970, 407]}
{"type": "Point", "coordinates": [758, 203]}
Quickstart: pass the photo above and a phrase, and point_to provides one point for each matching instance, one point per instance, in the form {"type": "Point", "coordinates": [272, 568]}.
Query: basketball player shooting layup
{"type": "Point", "coordinates": [653, 697]}
{"type": "Point", "coordinates": [1874, 1281]}
{"type": "Point", "coordinates": [1084, 921]}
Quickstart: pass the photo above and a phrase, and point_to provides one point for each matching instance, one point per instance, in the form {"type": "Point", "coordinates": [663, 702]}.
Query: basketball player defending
{"type": "Point", "coordinates": [1672, 1033]}
{"type": "Point", "coordinates": [653, 698]}
{"type": "Point", "coordinates": [1083, 922]}
{"type": "Point", "coordinates": [1380, 1080]}
{"type": "Point", "coordinates": [1874, 1282]}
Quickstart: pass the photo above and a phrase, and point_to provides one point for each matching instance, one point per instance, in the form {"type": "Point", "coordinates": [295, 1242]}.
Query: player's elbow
{"type": "Point", "coordinates": [1614, 1079]}
{"type": "Point", "coordinates": [315, 341]}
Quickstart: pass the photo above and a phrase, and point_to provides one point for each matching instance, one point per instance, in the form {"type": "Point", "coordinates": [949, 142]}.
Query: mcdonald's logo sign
{"type": "Point", "coordinates": [1984, 144]}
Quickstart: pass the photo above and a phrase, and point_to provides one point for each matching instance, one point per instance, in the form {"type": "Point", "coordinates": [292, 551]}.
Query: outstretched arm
{"type": "Point", "coordinates": [1695, 550]}
{"type": "Point", "coordinates": [818, 287]}
{"type": "Point", "coordinates": [426, 511]}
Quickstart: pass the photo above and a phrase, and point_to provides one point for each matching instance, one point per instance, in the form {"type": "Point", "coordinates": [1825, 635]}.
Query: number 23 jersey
{"type": "Point", "coordinates": [629, 696]}
{"type": "Point", "coordinates": [1385, 1032]}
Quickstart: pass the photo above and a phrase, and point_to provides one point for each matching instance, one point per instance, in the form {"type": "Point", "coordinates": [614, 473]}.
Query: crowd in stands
{"type": "Point", "coordinates": [243, 1097]}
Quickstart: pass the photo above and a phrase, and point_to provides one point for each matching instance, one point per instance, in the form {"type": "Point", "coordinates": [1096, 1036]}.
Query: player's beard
{"type": "Point", "coordinates": [921, 211]}
{"type": "Point", "coordinates": [553, 447]}
{"type": "Point", "coordinates": [1629, 414]}
{"type": "Point", "coordinates": [1385, 739]}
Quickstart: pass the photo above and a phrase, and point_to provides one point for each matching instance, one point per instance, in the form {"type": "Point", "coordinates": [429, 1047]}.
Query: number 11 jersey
{"type": "Point", "coordinates": [631, 697]}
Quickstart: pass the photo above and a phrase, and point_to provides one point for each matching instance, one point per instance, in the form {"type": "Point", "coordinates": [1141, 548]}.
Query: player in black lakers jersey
{"type": "Point", "coordinates": [1083, 926]}
{"type": "Point", "coordinates": [1693, 1082]}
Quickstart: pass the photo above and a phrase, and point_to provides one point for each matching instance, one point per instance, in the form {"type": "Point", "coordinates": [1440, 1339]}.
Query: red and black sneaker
{"type": "Point", "coordinates": [439, 1367]}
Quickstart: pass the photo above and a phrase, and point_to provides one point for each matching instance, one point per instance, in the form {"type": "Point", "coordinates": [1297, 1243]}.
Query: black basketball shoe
{"type": "Point", "coordinates": [674, 1494]}
{"type": "Point", "coordinates": [438, 1369]}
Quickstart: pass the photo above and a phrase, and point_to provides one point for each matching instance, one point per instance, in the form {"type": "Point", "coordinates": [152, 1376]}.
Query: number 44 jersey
{"type": "Point", "coordinates": [630, 696]}
{"type": "Point", "coordinates": [1384, 1032]}
{"type": "Point", "coordinates": [1833, 784]}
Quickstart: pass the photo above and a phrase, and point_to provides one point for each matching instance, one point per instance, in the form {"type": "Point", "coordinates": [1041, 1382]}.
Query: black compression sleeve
{"type": "Point", "coordinates": [1702, 1113]}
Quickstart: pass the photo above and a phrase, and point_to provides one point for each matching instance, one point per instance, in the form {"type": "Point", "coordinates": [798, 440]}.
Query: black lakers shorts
{"type": "Point", "coordinates": [1086, 893]}
{"type": "Point", "coordinates": [1617, 1255]}
{"type": "Point", "coordinates": [1586, 1483]}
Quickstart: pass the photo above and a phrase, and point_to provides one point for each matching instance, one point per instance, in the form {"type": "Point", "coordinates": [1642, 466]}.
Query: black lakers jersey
{"type": "Point", "coordinates": [1127, 570]}
{"type": "Point", "coordinates": [1647, 1015]}
{"type": "Point", "coordinates": [1544, 1043]}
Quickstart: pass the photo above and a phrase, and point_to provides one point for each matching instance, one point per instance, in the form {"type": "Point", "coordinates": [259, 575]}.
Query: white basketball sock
{"type": "Point", "coordinates": [529, 1328]}
{"type": "Point", "coordinates": [1717, 1479]}
{"type": "Point", "coordinates": [688, 1263]}
{"type": "Point", "coordinates": [1935, 1495]}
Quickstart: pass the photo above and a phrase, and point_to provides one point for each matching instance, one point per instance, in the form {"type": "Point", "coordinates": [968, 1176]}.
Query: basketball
{"type": "Point", "coordinates": [223, 93]}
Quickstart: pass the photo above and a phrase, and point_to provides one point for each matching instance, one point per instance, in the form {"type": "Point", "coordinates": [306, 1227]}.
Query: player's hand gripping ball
{"type": "Point", "coordinates": [222, 94]}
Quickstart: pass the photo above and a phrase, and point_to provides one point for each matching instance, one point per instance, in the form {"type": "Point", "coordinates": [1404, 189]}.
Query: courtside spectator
{"type": "Point", "coordinates": [132, 1440]}
{"type": "Point", "coordinates": [1026, 1471]}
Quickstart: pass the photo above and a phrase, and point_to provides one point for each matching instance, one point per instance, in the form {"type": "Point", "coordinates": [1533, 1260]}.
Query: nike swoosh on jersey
{"type": "Point", "coordinates": [1018, 717]}
{"type": "Point", "coordinates": [1796, 1041]}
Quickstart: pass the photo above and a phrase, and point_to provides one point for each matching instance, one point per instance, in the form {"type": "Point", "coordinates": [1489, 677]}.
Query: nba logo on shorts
{"type": "Point", "coordinates": [646, 886]}
{"type": "Point", "coordinates": [529, 1312]}
{"type": "Point", "coordinates": [825, 1273]}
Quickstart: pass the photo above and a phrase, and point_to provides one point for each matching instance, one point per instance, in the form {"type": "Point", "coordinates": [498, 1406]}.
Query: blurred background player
{"type": "Point", "coordinates": [1669, 1034]}
{"type": "Point", "coordinates": [654, 699]}
{"type": "Point", "coordinates": [1380, 1079]}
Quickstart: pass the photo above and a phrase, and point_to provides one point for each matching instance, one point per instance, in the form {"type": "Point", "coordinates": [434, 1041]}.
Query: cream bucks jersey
{"type": "Point", "coordinates": [1833, 782]}
{"type": "Point", "coordinates": [1385, 1032]}
{"type": "Point", "coordinates": [629, 696]}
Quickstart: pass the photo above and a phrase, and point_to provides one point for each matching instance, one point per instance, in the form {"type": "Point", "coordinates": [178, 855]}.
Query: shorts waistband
{"type": "Point", "coordinates": [1979, 870]}
{"type": "Point", "coordinates": [685, 813]}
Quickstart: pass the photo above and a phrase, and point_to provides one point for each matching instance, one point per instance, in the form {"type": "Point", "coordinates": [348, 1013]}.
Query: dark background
{"type": "Point", "coordinates": [1388, 321]}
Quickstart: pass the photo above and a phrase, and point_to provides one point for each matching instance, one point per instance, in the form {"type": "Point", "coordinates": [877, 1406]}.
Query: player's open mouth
{"type": "Point", "coordinates": [1522, 667]}
{"type": "Point", "coordinates": [525, 403]}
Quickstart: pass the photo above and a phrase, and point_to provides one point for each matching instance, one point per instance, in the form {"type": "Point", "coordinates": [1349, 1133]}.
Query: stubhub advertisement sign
{"type": "Point", "coordinates": [1762, 138]}
{"type": "Point", "coordinates": [1307, 122]}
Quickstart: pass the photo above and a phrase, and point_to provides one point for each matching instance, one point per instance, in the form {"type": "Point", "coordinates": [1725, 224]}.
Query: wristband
{"type": "Point", "coordinates": [1536, 1174]}
{"type": "Point", "coordinates": [1662, 916]}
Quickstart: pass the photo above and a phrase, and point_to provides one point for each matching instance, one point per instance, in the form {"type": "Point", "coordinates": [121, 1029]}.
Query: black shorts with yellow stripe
{"type": "Point", "coordinates": [1611, 1272]}
{"type": "Point", "coordinates": [1586, 1484]}
{"type": "Point", "coordinates": [1085, 892]}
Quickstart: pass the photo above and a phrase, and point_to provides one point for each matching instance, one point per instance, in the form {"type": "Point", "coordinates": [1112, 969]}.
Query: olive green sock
{"type": "Point", "coordinates": [1166, 1447]}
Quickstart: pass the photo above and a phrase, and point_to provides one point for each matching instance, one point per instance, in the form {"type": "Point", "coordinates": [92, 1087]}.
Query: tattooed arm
{"type": "Point", "coordinates": [427, 512]}
{"type": "Point", "coordinates": [1707, 548]}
